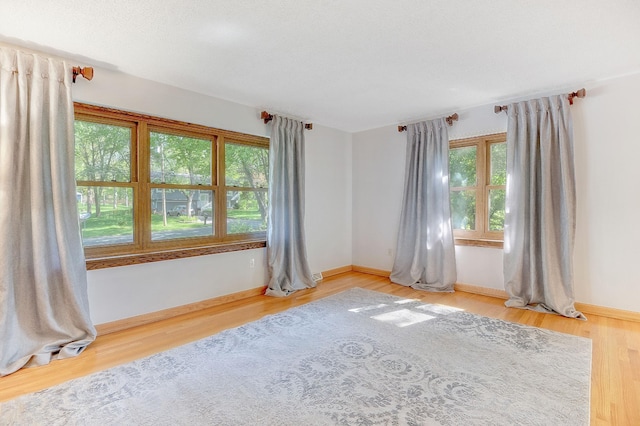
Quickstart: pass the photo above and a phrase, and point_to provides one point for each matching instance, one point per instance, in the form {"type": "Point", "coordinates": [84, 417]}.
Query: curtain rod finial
{"type": "Point", "coordinates": [453, 117]}
{"type": "Point", "coordinates": [86, 72]}
{"type": "Point", "coordinates": [264, 115]}
{"type": "Point", "coordinates": [402, 128]}
{"type": "Point", "coordinates": [578, 94]}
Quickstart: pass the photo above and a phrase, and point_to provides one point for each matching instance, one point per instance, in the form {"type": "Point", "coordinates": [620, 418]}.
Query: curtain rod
{"type": "Point", "coordinates": [86, 72]}
{"type": "Point", "coordinates": [264, 115]}
{"type": "Point", "coordinates": [450, 119]}
{"type": "Point", "coordinates": [577, 94]}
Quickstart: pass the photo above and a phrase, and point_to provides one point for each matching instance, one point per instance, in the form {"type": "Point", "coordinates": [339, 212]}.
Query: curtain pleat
{"type": "Point", "coordinates": [540, 207]}
{"type": "Point", "coordinates": [286, 248]}
{"type": "Point", "coordinates": [425, 254]}
{"type": "Point", "coordinates": [44, 307]}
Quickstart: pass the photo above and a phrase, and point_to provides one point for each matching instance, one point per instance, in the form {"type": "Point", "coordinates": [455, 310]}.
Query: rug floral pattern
{"type": "Point", "coordinates": [356, 358]}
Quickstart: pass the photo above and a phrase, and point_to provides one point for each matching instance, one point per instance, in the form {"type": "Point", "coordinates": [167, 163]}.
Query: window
{"type": "Point", "coordinates": [477, 182]}
{"type": "Point", "coordinates": [148, 185]}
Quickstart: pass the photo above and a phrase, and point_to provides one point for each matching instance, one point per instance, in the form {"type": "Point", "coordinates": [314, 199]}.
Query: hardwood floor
{"type": "Point", "coordinates": [615, 380]}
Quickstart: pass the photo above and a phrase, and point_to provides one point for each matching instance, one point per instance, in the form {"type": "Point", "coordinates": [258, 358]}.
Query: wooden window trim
{"type": "Point", "coordinates": [136, 259]}
{"type": "Point", "coordinates": [476, 242]}
{"type": "Point", "coordinates": [143, 249]}
{"type": "Point", "coordinates": [481, 237]}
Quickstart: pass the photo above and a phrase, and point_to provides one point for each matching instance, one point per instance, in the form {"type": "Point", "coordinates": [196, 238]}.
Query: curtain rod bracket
{"type": "Point", "coordinates": [86, 72]}
{"type": "Point", "coordinates": [266, 117]}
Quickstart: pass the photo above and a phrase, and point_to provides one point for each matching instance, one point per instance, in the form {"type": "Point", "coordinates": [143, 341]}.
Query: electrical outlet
{"type": "Point", "coordinates": [252, 263]}
{"type": "Point", "coordinates": [389, 252]}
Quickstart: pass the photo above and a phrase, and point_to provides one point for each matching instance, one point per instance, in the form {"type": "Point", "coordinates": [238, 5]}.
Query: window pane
{"type": "Point", "coordinates": [180, 159]}
{"type": "Point", "coordinates": [246, 211]}
{"type": "Point", "coordinates": [462, 166]}
{"type": "Point", "coordinates": [106, 215]}
{"type": "Point", "coordinates": [181, 214]}
{"type": "Point", "coordinates": [496, 209]}
{"type": "Point", "coordinates": [498, 163]}
{"type": "Point", "coordinates": [102, 152]}
{"type": "Point", "coordinates": [246, 166]}
{"type": "Point", "coordinates": [463, 210]}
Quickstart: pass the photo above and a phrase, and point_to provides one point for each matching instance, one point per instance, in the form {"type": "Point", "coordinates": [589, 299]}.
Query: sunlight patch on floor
{"type": "Point", "coordinates": [440, 309]}
{"type": "Point", "coordinates": [403, 301]}
{"type": "Point", "coordinates": [367, 308]}
{"type": "Point", "coordinates": [403, 317]}
{"type": "Point", "coordinates": [415, 314]}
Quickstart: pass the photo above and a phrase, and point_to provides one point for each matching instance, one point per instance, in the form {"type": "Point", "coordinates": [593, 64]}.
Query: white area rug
{"type": "Point", "coordinates": [356, 358]}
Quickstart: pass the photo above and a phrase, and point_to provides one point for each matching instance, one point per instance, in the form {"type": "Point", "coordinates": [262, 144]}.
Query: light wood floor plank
{"type": "Point", "coordinates": [615, 381]}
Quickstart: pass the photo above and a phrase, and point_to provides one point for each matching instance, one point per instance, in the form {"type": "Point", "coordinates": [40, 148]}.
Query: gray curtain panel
{"type": "Point", "coordinates": [286, 250]}
{"type": "Point", "coordinates": [44, 309]}
{"type": "Point", "coordinates": [540, 206]}
{"type": "Point", "coordinates": [425, 255]}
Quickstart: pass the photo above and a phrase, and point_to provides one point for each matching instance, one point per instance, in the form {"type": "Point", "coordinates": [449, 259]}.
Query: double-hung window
{"type": "Point", "coordinates": [477, 182]}
{"type": "Point", "coordinates": [160, 189]}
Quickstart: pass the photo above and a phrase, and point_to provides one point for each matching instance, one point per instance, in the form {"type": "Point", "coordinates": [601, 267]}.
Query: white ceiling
{"type": "Point", "coordinates": [347, 64]}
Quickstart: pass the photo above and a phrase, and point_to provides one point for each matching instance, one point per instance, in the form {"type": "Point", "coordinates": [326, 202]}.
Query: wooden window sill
{"type": "Point", "coordinates": [139, 258]}
{"type": "Point", "coordinates": [498, 244]}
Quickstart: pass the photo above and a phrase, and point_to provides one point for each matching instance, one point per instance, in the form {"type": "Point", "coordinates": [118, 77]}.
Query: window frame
{"type": "Point", "coordinates": [481, 236]}
{"type": "Point", "coordinates": [144, 249]}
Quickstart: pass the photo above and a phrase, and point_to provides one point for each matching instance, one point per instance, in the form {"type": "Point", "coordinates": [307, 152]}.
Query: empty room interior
{"type": "Point", "coordinates": [177, 112]}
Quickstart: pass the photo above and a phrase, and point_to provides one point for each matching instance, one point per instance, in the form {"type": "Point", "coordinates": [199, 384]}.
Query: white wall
{"type": "Point", "coordinates": [328, 198]}
{"type": "Point", "coordinates": [122, 292]}
{"type": "Point", "coordinates": [607, 155]}
{"type": "Point", "coordinates": [378, 172]}
{"type": "Point", "coordinates": [126, 291]}
{"type": "Point", "coordinates": [607, 130]}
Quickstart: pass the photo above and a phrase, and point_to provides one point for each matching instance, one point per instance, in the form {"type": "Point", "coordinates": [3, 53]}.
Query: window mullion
{"type": "Point", "coordinates": [142, 221]}
{"type": "Point", "coordinates": [483, 181]}
{"type": "Point", "coordinates": [221, 195]}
